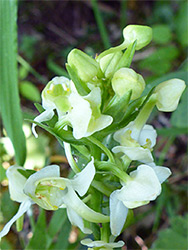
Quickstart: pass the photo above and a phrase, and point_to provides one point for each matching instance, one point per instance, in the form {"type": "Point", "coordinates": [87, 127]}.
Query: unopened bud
{"type": "Point", "coordinates": [109, 62]}
{"type": "Point", "coordinates": [168, 94]}
{"type": "Point", "coordinates": [85, 66]}
{"type": "Point", "coordinates": [141, 34]}
{"type": "Point", "coordinates": [126, 79]}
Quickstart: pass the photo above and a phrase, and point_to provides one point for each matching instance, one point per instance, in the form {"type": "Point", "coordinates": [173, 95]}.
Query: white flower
{"type": "Point", "coordinates": [101, 244]}
{"type": "Point", "coordinates": [50, 191]}
{"type": "Point", "coordinates": [143, 187]}
{"type": "Point", "coordinates": [16, 185]}
{"type": "Point", "coordinates": [168, 94]}
{"type": "Point", "coordinates": [81, 112]}
{"type": "Point", "coordinates": [137, 145]}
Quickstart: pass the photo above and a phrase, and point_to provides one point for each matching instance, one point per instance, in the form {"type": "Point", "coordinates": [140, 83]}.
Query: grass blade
{"type": "Point", "coordinates": [100, 23]}
{"type": "Point", "coordinates": [9, 97]}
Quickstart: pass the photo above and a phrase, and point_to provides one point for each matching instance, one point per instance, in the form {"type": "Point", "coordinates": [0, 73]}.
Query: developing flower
{"type": "Point", "coordinates": [85, 66]}
{"type": "Point", "coordinates": [126, 79]}
{"type": "Point", "coordinates": [168, 94]}
{"type": "Point", "coordinates": [141, 34]}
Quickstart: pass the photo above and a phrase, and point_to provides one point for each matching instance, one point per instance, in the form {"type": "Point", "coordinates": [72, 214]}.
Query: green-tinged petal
{"type": "Point", "coordinates": [79, 115]}
{"type": "Point", "coordinates": [24, 207]}
{"type": "Point", "coordinates": [97, 121]}
{"type": "Point", "coordinates": [82, 180]}
{"type": "Point", "coordinates": [135, 153]}
{"type": "Point", "coordinates": [143, 187]}
{"type": "Point", "coordinates": [45, 187]}
{"type": "Point", "coordinates": [71, 199]}
{"type": "Point", "coordinates": [147, 134]}
{"type": "Point", "coordinates": [118, 214]}
{"type": "Point", "coordinates": [162, 172]}
{"type": "Point", "coordinates": [44, 116]}
{"type": "Point", "coordinates": [100, 243]}
{"type": "Point", "coordinates": [76, 220]}
{"type": "Point", "coordinates": [168, 94]}
{"type": "Point", "coordinates": [16, 183]}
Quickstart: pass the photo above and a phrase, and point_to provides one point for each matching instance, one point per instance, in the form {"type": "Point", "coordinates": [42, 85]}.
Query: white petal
{"type": "Point", "coordinates": [148, 132]}
{"type": "Point", "coordinates": [80, 115]}
{"type": "Point", "coordinates": [162, 172]}
{"type": "Point", "coordinates": [97, 124]}
{"type": "Point", "coordinates": [82, 180]}
{"type": "Point", "coordinates": [118, 213]}
{"type": "Point", "coordinates": [118, 136]}
{"type": "Point", "coordinates": [16, 183]}
{"type": "Point", "coordinates": [143, 187]}
{"type": "Point", "coordinates": [72, 200]}
{"type": "Point", "coordinates": [76, 220]}
{"type": "Point", "coordinates": [100, 243]}
{"type": "Point", "coordinates": [32, 181]}
{"type": "Point", "coordinates": [135, 153]}
{"type": "Point", "coordinates": [24, 207]}
{"type": "Point", "coordinates": [44, 116]}
{"type": "Point", "coordinates": [168, 94]}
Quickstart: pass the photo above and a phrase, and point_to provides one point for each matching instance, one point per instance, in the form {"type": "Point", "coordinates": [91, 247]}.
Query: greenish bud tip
{"type": "Point", "coordinates": [85, 66]}
{"type": "Point", "coordinates": [141, 34]}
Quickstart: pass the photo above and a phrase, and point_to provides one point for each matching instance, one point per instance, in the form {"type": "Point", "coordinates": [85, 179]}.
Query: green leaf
{"type": "Point", "coordinates": [174, 237]}
{"type": "Point", "coordinates": [59, 223]}
{"type": "Point", "coordinates": [117, 106]}
{"type": "Point", "coordinates": [80, 86]}
{"type": "Point", "coordinates": [55, 68]}
{"type": "Point", "coordinates": [181, 24]}
{"type": "Point", "coordinates": [179, 116]}
{"type": "Point", "coordinates": [61, 135]}
{"type": "Point", "coordinates": [30, 91]}
{"type": "Point", "coordinates": [39, 239]}
{"type": "Point", "coordinates": [26, 173]}
{"type": "Point", "coordinates": [172, 131]}
{"type": "Point", "coordinates": [161, 34]}
{"type": "Point", "coordinates": [159, 62]}
{"type": "Point", "coordinates": [127, 57]}
{"type": "Point", "coordinates": [9, 98]}
{"type": "Point", "coordinates": [2, 173]}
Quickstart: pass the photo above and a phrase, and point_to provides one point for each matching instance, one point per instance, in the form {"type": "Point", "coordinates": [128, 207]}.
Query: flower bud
{"type": "Point", "coordinates": [141, 34]}
{"type": "Point", "coordinates": [168, 94]}
{"type": "Point", "coordinates": [109, 62]}
{"type": "Point", "coordinates": [126, 79]}
{"type": "Point", "coordinates": [85, 66]}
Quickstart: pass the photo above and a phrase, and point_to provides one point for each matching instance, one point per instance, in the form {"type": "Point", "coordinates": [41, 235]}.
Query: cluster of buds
{"type": "Point", "coordinates": [101, 112]}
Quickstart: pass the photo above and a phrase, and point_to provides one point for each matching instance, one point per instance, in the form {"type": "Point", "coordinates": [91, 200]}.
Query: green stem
{"type": "Point", "coordinates": [113, 169]}
{"type": "Point", "coordinates": [100, 23]}
{"type": "Point", "coordinates": [143, 115]}
{"type": "Point", "coordinates": [123, 13]}
{"type": "Point", "coordinates": [28, 67]}
{"type": "Point", "coordinates": [70, 158]}
{"type": "Point", "coordinates": [102, 147]}
{"type": "Point", "coordinates": [105, 232]}
{"type": "Point", "coordinates": [101, 187]}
